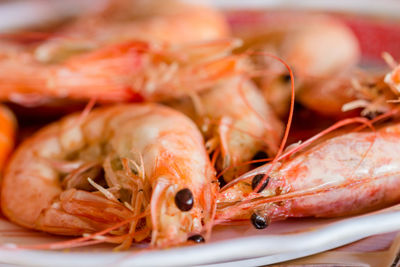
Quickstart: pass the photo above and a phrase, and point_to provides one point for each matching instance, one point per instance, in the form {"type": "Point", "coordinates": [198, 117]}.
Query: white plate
{"type": "Point", "coordinates": [239, 245]}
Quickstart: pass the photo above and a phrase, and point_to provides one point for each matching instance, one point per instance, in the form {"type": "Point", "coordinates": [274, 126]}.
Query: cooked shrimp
{"type": "Point", "coordinates": [237, 122]}
{"type": "Point", "coordinates": [347, 173]}
{"type": "Point", "coordinates": [7, 134]}
{"type": "Point", "coordinates": [170, 21]}
{"type": "Point", "coordinates": [309, 44]}
{"type": "Point", "coordinates": [143, 163]}
{"type": "Point", "coordinates": [122, 72]}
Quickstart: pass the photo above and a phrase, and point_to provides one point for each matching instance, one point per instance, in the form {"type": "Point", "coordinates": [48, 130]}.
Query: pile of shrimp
{"type": "Point", "coordinates": [185, 124]}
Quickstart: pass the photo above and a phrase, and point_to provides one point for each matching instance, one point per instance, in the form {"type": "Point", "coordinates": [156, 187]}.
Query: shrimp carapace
{"type": "Point", "coordinates": [89, 172]}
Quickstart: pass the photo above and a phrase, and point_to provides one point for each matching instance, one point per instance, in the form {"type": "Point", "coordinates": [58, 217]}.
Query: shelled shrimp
{"type": "Point", "coordinates": [130, 71]}
{"type": "Point", "coordinates": [237, 130]}
{"type": "Point", "coordinates": [345, 173]}
{"type": "Point", "coordinates": [142, 165]}
{"type": "Point", "coordinates": [309, 44]}
{"type": "Point", "coordinates": [171, 22]}
{"type": "Point", "coordinates": [7, 134]}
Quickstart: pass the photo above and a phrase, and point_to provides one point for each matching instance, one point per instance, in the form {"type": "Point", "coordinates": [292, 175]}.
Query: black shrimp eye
{"type": "Point", "coordinates": [257, 179]}
{"type": "Point", "coordinates": [221, 182]}
{"type": "Point", "coordinates": [197, 238]}
{"type": "Point", "coordinates": [184, 199]}
{"type": "Point", "coordinates": [372, 115]}
{"type": "Point", "coordinates": [286, 78]}
{"type": "Point", "coordinates": [258, 221]}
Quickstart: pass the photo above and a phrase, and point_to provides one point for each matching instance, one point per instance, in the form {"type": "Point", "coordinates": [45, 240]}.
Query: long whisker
{"type": "Point", "coordinates": [266, 169]}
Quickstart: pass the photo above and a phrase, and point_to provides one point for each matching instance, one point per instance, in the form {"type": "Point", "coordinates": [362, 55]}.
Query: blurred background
{"type": "Point", "coordinates": [377, 27]}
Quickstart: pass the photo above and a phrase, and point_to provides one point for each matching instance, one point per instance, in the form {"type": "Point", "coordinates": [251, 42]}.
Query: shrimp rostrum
{"type": "Point", "coordinates": [142, 163]}
{"type": "Point", "coordinates": [348, 173]}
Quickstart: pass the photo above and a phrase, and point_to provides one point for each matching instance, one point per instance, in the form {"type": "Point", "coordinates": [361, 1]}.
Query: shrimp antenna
{"type": "Point", "coordinates": [258, 115]}
{"type": "Point", "coordinates": [86, 111]}
{"type": "Point", "coordinates": [288, 124]}
{"type": "Point", "coordinates": [267, 168]}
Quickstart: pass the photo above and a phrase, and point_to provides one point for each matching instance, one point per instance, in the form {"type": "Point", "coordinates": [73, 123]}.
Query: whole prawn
{"type": "Point", "coordinates": [129, 71]}
{"type": "Point", "coordinates": [142, 164]}
{"type": "Point", "coordinates": [345, 173]}
{"type": "Point", "coordinates": [127, 51]}
{"type": "Point", "coordinates": [7, 134]}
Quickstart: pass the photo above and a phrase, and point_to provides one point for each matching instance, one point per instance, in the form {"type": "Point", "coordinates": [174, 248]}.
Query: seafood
{"type": "Point", "coordinates": [375, 93]}
{"type": "Point", "coordinates": [7, 134]}
{"type": "Point", "coordinates": [130, 71]}
{"type": "Point", "coordinates": [128, 50]}
{"type": "Point", "coordinates": [130, 173]}
{"type": "Point", "coordinates": [321, 63]}
{"type": "Point", "coordinates": [237, 130]}
{"type": "Point", "coordinates": [171, 22]}
{"type": "Point", "coordinates": [144, 163]}
{"type": "Point", "coordinates": [345, 173]}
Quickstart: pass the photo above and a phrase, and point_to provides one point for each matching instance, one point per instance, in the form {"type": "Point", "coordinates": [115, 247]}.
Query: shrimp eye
{"type": "Point", "coordinates": [258, 221]}
{"type": "Point", "coordinates": [257, 179]}
{"type": "Point", "coordinates": [197, 239]}
{"type": "Point", "coordinates": [184, 199]}
{"type": "Point", "coordinates": [286, 78]}
{"type": "Point", "coordinates": [221, 182]}
{"type": "Point", "coordinates": [372, 115]}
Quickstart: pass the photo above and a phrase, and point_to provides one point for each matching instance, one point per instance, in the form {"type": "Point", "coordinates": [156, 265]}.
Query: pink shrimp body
{"type": "Point", "coordinates": [351, 173]}
{"type": "Point", "coordinates": [172, 22]}
{"type": "Point", "coordinates": [138, 157]}
{"type": "Point", "coordinates": [131, 71]}
{"type": "Point", "coordinates": [239, 128]}
{"type": "Point", "coordinates": [126, 51]}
